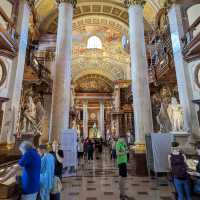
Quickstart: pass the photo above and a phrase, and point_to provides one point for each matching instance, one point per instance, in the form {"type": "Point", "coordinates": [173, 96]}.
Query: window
{"type": "Point", "coordinates": [94, 43]}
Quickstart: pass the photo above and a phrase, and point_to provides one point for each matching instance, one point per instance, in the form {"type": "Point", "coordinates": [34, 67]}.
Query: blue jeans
{"type": "Point", "coordinates": [183, 189]}
{"type": "Point", "coordinates": [29, 196]}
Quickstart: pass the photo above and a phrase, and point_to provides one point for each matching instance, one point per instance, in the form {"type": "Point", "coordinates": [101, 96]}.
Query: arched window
{"type": "Point", "coordinates": [94, 43]}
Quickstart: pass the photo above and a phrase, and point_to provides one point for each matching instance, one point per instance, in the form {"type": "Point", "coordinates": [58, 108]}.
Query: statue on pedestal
{"type": "Point", "coordinates": [163, 119]}
{"type": "Point", "coordinates": [175, 113]}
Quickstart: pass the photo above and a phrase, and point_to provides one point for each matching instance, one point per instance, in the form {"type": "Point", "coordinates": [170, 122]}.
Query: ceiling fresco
{"type": "Point", "coordinates": [47, 10]}
{"type": "Point", "coordinates": [93, 83]}
{"type": "Point", "coordinates": [111, 60]}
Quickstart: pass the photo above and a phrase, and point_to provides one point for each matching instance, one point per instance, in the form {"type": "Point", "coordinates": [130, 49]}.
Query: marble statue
{"type": "Point", "coordinates": [41, 122]}
{"type": "Point", "coordinates": [29, 113]}
{"type": "Point", "coordinates": [74, 124]}
{"type": "Point", "coordinates": [164, 120]}
{"type": "Point", "coordinates": [175, 113]}
{"type": "Point", "coordinates": [95, 130]}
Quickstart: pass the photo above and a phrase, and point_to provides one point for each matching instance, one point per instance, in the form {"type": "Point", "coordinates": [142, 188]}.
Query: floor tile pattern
{"type": "Point", "coordinates": [99, 181]}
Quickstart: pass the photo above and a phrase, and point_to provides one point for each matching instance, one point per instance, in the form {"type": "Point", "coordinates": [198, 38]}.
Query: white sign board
{"type": "Point", "coordinates": [68, 143]}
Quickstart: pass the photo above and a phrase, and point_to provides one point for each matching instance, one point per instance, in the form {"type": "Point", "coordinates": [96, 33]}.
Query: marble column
{"type": "Point", "coordinates": [182, 72]}
{"type": "Point", "coordinates": [117, 98]}
{"type": "Point", "coordinates": [12, 107]}
{"type": "Point", "coordinates": [63, 62]}
{"type": "Point", "coordinates": [102, 129]}
{"type": "Point", "coordinates": [139, 72]}
{"type": "Point", "coordinates": [85, 119]}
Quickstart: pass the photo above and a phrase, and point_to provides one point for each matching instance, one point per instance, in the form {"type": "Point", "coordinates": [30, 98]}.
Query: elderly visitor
{"type": "Point", "coordinates": [30, 163]}
{"type": "Point", "coordinates": [46, 173]}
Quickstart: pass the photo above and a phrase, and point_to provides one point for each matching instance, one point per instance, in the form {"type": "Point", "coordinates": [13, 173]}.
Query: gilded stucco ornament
{"type": "Point", "coordinates": [134, 2]}
{"type": "Point", "coordinates": [73, 2]}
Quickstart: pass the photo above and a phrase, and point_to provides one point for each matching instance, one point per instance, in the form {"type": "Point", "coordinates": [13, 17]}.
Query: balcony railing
{"type": "Point", "coordinates": [8, 35]}
{"type": "Point", "coordinates": [42, 72]}
{"type": "Point", "coordinates": [191, 41]}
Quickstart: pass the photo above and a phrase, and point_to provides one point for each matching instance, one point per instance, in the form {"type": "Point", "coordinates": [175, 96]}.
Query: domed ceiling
{"type": "Point", "coordinates": [106, 19]}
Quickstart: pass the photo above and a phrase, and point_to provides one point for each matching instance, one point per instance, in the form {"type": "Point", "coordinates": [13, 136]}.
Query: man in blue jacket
{"type": "Point", "coordinates": [30, 163]}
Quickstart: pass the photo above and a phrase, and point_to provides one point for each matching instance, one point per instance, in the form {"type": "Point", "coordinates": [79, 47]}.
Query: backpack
{"type": "Point", "coordinates": [179, 167]}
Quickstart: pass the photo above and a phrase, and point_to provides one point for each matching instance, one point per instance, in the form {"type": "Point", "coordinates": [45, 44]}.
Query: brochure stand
{"type": "Point", "coordinates": [69, 146]}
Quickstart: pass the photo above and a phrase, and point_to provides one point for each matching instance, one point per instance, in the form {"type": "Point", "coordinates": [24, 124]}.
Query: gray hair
{"type": "Point", "coordinates": [25, 146]}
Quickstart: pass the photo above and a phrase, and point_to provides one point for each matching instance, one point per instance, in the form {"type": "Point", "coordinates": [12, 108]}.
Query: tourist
{"type": "Point", "coordinates": [113, 149]}
{"type": "Point", "coordinates": [46, 173]}
{"type": "Point", "coordinates": [58, 156]}
{"type": "Point", "coordinates": [90, 150]}
{"type": "Point", "coordinates": [80, 152]}
{"type": "Point", "coordinates": [178, 166]}
{"type": "Point", "coordinates": [121, 151]}
{"type": "Point", "coordinates": [30, 163]}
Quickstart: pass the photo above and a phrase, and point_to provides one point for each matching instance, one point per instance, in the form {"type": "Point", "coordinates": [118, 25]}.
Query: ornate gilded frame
{"type": "Point", "coordinates": [4, 70]}
{"type": "Point", "coordinates": [196, 78]}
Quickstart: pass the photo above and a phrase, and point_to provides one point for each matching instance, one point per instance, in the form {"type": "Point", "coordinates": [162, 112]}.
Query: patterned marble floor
{"type": "Point", "coordinates": [99, 181]}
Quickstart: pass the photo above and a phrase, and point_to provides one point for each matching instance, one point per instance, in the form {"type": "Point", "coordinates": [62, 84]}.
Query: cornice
{"type": "Point", "coordinates": [128, 3]}
{"type": "Point", "coordinates": [73, 2]}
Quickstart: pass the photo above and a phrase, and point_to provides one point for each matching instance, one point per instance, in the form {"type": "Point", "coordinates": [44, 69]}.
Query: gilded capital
{"type": "Point", "coordinates": [134, 2]}
{"type": "Point", "coordinates": [73, 2]}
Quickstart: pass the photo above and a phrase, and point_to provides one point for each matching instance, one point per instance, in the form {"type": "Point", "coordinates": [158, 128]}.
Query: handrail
{"type": "Point", "coordinates": [194, 25]}
{"type": "Point", "coordinates": [188, 37]}
{"type": "Point", "coordinates": [6, 18]}
{"type": "Point", "coordinates": [8, 164]}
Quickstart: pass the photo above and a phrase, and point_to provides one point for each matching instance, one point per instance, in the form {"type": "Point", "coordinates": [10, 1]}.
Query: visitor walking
{"type": "Point", "coordinates": [80, 152]}
{"type": "Point", "coordinates": [177, 164]}
{"type": "Point", "coordinates": [121, 151]}
{"type": "Point", "coordinates": [90, 150]}
{"type": "Point", "coordinates": [30, 163]}
{"type": "Point", "coordinates": [58, 156]}
{"type": "Point", "coordinates": [46, 173]}
{"type": "Point", "coordinates": [113, 149]}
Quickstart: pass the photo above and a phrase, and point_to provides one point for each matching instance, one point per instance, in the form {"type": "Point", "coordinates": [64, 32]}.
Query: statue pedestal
{"type": "Point", "coordinates": [181, 137]}
{"type": "Point", "coordinates": [26, 137]}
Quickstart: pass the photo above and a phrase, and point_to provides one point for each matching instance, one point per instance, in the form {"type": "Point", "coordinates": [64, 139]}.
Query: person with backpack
{"type": "Point", "coordinates": [178, 166]}
{"type": "Point", "coordinates": [121, 152]}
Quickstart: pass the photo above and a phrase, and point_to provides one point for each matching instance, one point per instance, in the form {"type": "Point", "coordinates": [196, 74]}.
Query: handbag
{"type": "Point", "coordinates": [57, 185]}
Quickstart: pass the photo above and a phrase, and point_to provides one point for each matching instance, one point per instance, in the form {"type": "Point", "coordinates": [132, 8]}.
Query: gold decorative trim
{"type": "Point", "coordinates": [4, 72]}
{"type": "Point", "coordinates": [128, 3]}
{"type": "Point", "coordinates": [73, 2]}
{"type": "Point", "coordinates": [196, 75]}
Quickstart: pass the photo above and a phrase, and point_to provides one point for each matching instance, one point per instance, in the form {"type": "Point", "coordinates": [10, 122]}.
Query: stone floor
{"type": "Point", "coordinates": [99, 181]}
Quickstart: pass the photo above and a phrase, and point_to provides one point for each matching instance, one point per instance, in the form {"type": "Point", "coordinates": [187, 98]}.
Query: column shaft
{"type": "Point", "coordinates": [139, 73]}
{"type": "Point", "coordinates": [182, 72]}
{"type": "Point", "coordinates": [85, 120]}
{"type": "Point", "coordinates": [102, 120]}
{"type": "Point", "coordinates": [62, 79]}
{"type": "Point", "coordinates": [12, 107]}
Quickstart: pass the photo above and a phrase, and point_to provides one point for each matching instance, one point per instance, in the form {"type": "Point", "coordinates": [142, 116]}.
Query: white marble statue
{"type": "Point", "coordinates": [31, 108]}
{"type": "Point", "coordinates": [175, 113]}
{"type": "Point", "coordinates": [163, 119]}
